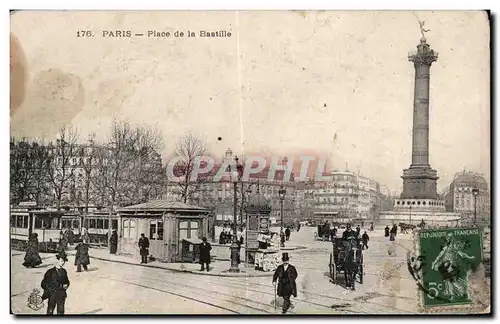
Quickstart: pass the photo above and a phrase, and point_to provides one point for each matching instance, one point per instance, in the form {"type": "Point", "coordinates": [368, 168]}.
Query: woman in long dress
{"type": "Point", "coordinates": [32, 258]}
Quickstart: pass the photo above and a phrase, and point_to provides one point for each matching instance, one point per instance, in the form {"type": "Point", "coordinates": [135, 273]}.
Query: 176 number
{"type": "Point", "coordinates": [84, 33]}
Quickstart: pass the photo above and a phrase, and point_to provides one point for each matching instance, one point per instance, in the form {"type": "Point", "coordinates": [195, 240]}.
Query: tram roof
{"type": "Point", "coordinates": [164, 205]}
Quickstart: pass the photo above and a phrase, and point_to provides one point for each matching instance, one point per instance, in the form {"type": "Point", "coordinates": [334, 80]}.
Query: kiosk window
{"type": "Point", "coordinates": [188, 229]}
{"type": "Point", "coordinates": [156, 230]}
{"type": "Point", "coordinates": [129, 228]}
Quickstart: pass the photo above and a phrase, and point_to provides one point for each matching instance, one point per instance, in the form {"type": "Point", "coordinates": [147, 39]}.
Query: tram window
{"type": "Point", "coordinates": [38, 222]}
{"type": "Point", "coordinates": [76, 223]}
{"type": "Point", "coordinates": [86, 223]}
{"type": "Point", "coordinates": [100, 224]}
{"type": "Point", "coordinates": [114, 223]}
{"type": "Point", "coordinates": [19, 221]}
{"type": "Point", "coordinates": [13, 221]}
{"type": "Point", "coordinates": [106, 223]}
{"type": "Point", "coordinates": [92, 223]}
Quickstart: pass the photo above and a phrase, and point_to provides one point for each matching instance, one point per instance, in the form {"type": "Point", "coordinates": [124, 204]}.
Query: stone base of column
{"type": "Point", "coordinates": [419, 182]}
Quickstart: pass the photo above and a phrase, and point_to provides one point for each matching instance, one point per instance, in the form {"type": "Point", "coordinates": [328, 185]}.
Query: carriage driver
{"type": "Point", "coordinates": [349, 234]}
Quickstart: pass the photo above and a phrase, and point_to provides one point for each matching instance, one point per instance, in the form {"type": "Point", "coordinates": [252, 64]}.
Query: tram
{"type": "Point", "coordinates": [26, 220]}
{"type": "Point", "coordinates": [96, 223]}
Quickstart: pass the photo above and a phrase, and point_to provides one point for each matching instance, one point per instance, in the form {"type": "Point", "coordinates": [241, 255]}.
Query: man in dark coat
{"type": "Point", "coordinates": [394, 232]}
{"type": "Point", "coordinates": [113, 242]}
{"type": "Point", "coordinates": [287, 233]}
{"type": "Point", "coordinates": [82, 257]}
{"type": "Point", "coordinates": [365, 240]}
{"type": "Point", "coordinates": [205, 249]}
{"type": "Point", "coordinates": [32, 258]}
{"type": "Point", "coordinates": [286, 274]}
{"type": "Point", "coordinates": [63, 242]}
{"type": "Point", "coordinates": [54, 285]}
{"type": "Point", "coordinates": [349, 233]}
{"type": "Point", "coordinates": [144, 248]}
{"type": "Point", "coordinates": [386, 231]}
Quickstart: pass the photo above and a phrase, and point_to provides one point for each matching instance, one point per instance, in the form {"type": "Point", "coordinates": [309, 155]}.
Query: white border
{"type": "Point", "coordinates": [192, 5]}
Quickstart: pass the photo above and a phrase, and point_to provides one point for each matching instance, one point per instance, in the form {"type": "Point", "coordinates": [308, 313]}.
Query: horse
{"type": "Point", "coordinates": [351, 264]}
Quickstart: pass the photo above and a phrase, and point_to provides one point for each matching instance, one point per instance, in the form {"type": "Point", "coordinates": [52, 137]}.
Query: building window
{"type": "Point", "coordinates": [100, 224]}
{"type": "Point", "coordinates": [92, 223]}
{"type": "Point", "coordinates": [129, 229]}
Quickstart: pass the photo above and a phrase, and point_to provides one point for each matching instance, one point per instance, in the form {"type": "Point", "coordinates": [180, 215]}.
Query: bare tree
{"type": "Point", "coordinates": [88, 155]}
{"type": "Point", "coordinates": [29, 161]}
{"type": "Point", "coordinates": [188, 148]}
{"type": "Point", "coordinates": [100, 180]}
{"type": "Point", "coordinates": [64, 163]}
{"type": "Point", "coordinates": [147, 172]}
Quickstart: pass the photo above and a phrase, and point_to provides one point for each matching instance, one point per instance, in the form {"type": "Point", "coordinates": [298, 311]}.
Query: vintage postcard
{"type": "Point", "coordinates": [250, 162]}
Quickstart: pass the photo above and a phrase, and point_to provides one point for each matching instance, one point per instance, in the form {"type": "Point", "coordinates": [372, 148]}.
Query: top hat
{"type": "Point", "coordinates": [285, 257]}
{"type": "Point", "coordinates": [62, 255]}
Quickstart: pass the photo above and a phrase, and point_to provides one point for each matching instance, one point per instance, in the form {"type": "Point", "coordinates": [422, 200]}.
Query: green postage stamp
{"type": "Point", "coordinates": [445, 260]}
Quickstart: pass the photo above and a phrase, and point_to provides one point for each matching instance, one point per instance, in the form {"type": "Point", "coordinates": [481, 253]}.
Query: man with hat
{"type": "Point", "coordinates": [144, 248]}
{"type": "Point", "coordinates": [286, 274]}
{"type": "Point", "coordinates": [54, 285]}
{"type": "Point", "coordinates": [349, 233]}
{"type": "Point", "coordinates": [205, 249]}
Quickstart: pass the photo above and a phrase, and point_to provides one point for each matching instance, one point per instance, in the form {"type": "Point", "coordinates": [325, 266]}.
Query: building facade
{"type": "Point", "coordinates": [460, 197]}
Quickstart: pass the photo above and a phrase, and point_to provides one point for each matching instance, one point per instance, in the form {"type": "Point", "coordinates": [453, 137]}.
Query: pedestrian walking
{"type": "Point", "coordinates": [205, 249]}
{"type": "Point", "coordinates": [386, 230]}
{"type": "Point", "coordinates": [32, 258]}
{"type": "Point", "coordinates": [285, 275]}
{"type": "Point", "coordinates": [393, 233]}
{"type": "Point", "coordinates": [82, 258]}
{"type": "Point", "coordinates": [71, 236]}
{"type": "Point", "coordinates": [55, 283]}
{"type": "Point", "coordinates": [63, 242]}
{"type": "Point", "coordinates": [144, 248]}
{"type": "Point", "coordinates": [287, 233]}
{"type": "Point", "coordinates": [365, 240]}
{"type": "Point", "coordinates": [85, 236]}
{"type": "Point", "coordinates": [113, 242]}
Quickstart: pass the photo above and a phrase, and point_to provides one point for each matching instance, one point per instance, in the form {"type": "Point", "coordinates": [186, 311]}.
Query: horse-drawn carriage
{"type": "Point", "coordinates": [347, 257]}
{"type": "Point", "coordinates": [324, 232]}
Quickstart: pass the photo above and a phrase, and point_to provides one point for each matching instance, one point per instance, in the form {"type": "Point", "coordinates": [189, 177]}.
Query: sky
{"type": "Point", "coordinates": [325, 83]}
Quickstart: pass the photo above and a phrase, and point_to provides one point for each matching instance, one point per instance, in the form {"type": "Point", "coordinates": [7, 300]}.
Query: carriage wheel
{"type": "Point", "coordinates": [361, 274]}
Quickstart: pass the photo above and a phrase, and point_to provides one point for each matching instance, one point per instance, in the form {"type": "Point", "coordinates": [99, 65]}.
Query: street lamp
{"type": "Point", "coordinates": [234, 247]}
{"type": "Point", "coordinates": [282, 193]}
{"type": "Point", "coordinates": [475, 192]}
